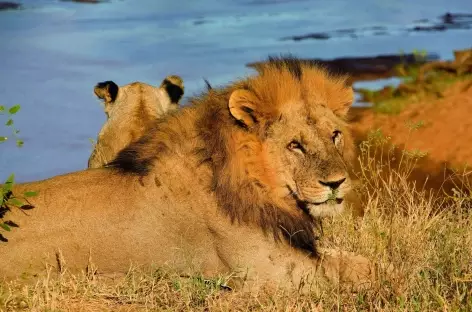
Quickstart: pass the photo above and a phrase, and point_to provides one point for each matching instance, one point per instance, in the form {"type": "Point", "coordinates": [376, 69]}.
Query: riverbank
{"type": "Point", "coordinates": [429, 114]}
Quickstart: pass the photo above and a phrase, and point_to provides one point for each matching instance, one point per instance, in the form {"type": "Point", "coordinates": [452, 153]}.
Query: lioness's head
{"type": "Point", "coordinates": [109, 92]}
{"type": "Point", "coordinates": [297, 113]}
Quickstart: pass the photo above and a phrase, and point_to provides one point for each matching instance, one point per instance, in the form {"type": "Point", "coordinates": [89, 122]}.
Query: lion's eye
{"type": "Point", "coordinates": [296, 146]}
{"type": "Point", "coordinates": [336, 134]}
{"type": "Point", "coordinates": [336, 137]}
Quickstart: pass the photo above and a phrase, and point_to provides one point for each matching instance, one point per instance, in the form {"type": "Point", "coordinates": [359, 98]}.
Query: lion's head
{"type": "Point", "coordinates": [292, 139]}
{"type": "Point", "coordinates": [304, 136]}
{"type": "Point", "coordinates": [277, 145]}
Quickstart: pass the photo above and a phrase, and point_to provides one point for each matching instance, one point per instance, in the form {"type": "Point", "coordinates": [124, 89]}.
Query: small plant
{"type": "Point", "coordinates": [420, 55]}
{"type": "Point", "coordinates": [7, 199]}
{"type": "Point", "coordinates": [462, 189]}
{"type": "Point", "coordinates": [9, 112]}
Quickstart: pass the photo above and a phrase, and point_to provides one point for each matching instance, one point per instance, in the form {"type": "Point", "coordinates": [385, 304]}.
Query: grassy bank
{"type": "Point", "coordinates": [420, 83]}
{"type": "Point", "coordinates": [427, 236]}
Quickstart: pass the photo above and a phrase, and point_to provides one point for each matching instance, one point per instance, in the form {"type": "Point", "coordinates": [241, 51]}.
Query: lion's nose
{"type": "Point", "coordinates": [333, 184]}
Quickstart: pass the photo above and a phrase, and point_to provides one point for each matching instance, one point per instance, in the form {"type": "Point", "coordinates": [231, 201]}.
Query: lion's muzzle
{"type": "Point", "coordinates": [325, 198]}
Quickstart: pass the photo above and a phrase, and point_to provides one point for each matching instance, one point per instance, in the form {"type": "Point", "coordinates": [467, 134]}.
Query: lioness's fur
{"type": "Point", "coordinates": [130, 111]}
{"type": "Point", "coordinates": [234, 182]}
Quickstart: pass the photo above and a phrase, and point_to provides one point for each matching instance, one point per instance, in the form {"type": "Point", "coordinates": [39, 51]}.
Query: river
{"type": "Point", "coordinates": [52, 53]}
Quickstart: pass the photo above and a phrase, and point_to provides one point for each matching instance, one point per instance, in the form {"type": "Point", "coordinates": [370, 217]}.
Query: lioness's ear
{"type": "Point", "coordinates": [107, 91]}
{"type": "Point", "coordinates": [174, 86]}
{"type": "Point", "coordinates": [242, 106]}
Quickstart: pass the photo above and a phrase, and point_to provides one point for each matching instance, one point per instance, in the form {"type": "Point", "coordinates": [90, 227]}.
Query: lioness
{"type": "Point", "coordinates": [233, 183]}
{"type": "Point", "coordinates": [131, 110]}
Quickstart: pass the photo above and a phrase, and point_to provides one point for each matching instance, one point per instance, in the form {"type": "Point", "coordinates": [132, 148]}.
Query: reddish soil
{"type": "Point", "coordinates": [446, 134]}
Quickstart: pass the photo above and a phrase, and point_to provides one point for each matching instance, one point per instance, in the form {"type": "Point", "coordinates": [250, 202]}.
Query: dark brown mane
{"type": "Point", "coordinates": [244, 200]}
{"type": "Point", "coordinates": [240, 193]}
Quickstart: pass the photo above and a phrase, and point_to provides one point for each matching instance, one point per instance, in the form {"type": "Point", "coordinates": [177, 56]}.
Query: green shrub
{"type": "Point", "coordinates": [7, 199]}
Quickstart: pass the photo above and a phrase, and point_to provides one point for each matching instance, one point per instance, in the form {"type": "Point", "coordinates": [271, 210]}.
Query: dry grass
{"type": "Point", "coordinates": [426, 236]}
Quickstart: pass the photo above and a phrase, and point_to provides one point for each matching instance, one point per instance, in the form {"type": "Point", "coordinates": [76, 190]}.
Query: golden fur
{"type": "Point", "coordinates": [235, 182]}
{"type": "Point", "coordinates": [130, 111]}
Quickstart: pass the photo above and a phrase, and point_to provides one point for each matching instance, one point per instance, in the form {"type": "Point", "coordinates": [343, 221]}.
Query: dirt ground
{"type": "Point", "coordinates": [446, 133]}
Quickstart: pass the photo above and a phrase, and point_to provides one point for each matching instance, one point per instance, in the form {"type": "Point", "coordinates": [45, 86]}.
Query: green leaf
{"type": "Point", "coordinates": [9, 122]}
{"type": "Point", "coordinates": [30, 194]}
{"type": "Point", "coordinates": [9, 183]}
{"type": "Point", "coordinates": [15, 202]}
{"type": "Point", "coordinates": [2, 108]}
{"type": "Point", "coordinates": [27, 207]}
{"type": "Point", "coordinates": [5, 227]}
{"type": "Point", "coordinates": [19, 143]}
{"type": "Point", "coordinates": [3, 139]}
{"type": "Point", "coordinates": [11, 178]}
{"type": "Point", "coordinates": [11, 223]}
{"type": "Point", "coordinates": [14, 109]}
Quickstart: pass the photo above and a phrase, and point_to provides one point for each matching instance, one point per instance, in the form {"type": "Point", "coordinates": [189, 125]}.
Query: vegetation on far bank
{"type": "Point", "coordinates": [419, 83]}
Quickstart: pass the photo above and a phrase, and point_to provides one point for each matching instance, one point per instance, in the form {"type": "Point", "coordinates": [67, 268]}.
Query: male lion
{"type": "Point", "coordinates": [233, 183]}
{"type": "Point", "coordinates": [131, 110]}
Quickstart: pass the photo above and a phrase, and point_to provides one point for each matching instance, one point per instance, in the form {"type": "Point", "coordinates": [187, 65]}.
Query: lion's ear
{"type": "Point", "coordinates": [107, 91]}
{"type": "Point", "coordinates": [242, 106]}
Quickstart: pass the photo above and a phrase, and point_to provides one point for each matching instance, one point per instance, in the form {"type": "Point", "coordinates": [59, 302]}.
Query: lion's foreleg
{"type": "Point", "coordinates": [342, 267]}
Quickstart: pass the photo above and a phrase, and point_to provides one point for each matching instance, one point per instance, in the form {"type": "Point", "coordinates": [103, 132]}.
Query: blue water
{"type": "Point", "coordinates": [52, 53]}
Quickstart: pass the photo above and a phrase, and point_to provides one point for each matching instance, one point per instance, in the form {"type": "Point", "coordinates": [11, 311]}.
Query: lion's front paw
{"type": "Point", "coordinates": [347, 268]}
